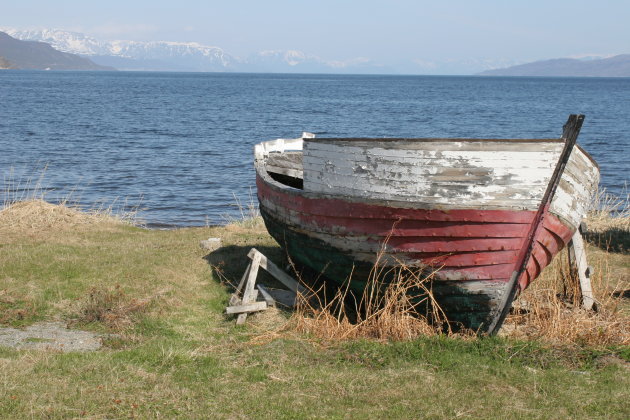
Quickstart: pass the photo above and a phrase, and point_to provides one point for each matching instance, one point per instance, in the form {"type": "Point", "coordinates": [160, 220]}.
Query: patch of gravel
{"type": "Point", "coordinates": [50, 336]}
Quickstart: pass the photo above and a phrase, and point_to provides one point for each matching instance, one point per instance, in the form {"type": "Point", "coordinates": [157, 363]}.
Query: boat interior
{"type": "Point", "coordinates": [286, 168]}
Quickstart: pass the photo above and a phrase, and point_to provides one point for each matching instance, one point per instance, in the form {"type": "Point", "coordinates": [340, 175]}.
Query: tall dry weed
{"type": "Point", "coordinates": [23, 188]}
{"type": "Point", "coordinates": [609, 211]}
{"type": "Point", "coordinates": [609, 221]}
{"type": "Point", "coordinates": [397, 303]}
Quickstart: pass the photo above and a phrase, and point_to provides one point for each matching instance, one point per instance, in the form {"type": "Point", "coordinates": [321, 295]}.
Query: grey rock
{"type": "Point", "coordinates": [210, 244]}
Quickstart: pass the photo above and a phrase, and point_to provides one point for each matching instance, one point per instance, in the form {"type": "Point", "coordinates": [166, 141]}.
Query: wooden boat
{"type": "Point", "coordinates": [488, 214]}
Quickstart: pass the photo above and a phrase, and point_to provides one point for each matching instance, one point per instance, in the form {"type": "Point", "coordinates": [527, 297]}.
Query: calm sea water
{"type": "Point", "coordinates": [180, 144]}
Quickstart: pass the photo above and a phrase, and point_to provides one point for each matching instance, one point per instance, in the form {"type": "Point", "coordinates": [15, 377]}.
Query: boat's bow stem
{"type": "Point", "coordinates": [569, 134]}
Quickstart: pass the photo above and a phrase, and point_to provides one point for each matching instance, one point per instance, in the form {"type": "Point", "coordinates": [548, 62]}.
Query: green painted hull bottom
{"type": "Point", "coordinates": [462, 308]}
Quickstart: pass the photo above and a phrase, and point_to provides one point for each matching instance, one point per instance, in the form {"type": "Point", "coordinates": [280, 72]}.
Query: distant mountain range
{"type": "Point", "coordinates": [192, 56]}
{"type": "Point", "coordinates": [32, 55]}
{"type": "Point", "coordinates": [617, 66]}
{"type": "Point", "coordinates": [185, 56]}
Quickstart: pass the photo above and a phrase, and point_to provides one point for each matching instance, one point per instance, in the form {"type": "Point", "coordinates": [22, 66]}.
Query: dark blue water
{"type": "Point", "coordinates": [181, 143]}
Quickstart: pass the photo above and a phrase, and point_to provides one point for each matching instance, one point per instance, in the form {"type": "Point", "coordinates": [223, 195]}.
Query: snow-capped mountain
{"type": "Point", "coordinates": [70, 42]}
{"type": "Point", "coordinates": [186, 56]}
{"type": "Point", "coordinates": [133, 55]}
{"type": "Point", "coordinates": [192, 56]}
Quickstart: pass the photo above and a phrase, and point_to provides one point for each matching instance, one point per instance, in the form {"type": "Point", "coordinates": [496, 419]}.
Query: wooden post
{"type": "Point", "coordinates": [235, 299]}
{"type": "Point", "coordinates": [577, 253]}
{"type": "Point", "coordinates": [248, 293]}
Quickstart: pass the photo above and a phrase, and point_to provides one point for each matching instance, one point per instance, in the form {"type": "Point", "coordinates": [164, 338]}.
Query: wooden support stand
{"type": "Point", "coordinates": [577, 258]}
{"type": "Point", "coordinates": [245, 304]}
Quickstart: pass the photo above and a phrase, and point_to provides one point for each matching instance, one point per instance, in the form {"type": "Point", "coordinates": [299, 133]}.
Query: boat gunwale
{"type": "Point", "coordinates": [430, 139]}
{"type": "Point", "coordinates": [442, 140]}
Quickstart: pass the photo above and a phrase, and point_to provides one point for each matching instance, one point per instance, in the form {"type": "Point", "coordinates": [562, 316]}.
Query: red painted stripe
{"type": "Point", "coordinates": [446, 244]}
{"type": "Point", "coordinates": [550, 240]}
{"type": "Point", "coordinates": [414, 227]}
{"type": "Point", "coordinates": [465, 259]}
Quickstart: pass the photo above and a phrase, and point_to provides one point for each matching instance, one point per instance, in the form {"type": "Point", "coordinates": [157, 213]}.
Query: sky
{"type": "Point", "coordinates": [387, 32]}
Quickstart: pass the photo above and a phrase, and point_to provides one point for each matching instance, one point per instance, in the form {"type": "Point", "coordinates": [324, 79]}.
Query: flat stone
{"type": "Point", "coordinates": [50, 336]}
{"type": "Point", "coordinates": [210, 244]}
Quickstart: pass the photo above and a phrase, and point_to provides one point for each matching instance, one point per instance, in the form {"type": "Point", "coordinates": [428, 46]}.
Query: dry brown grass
{"type": "Point", "coordinates": [609, 212]}
{"type": "Point", "coordinates": [550, 309]}
{"type": "Point", "coordinates": [112, 307]}
{"type": "Point", "coordinates": [397, 304]}
{"type": "Point", "coordinates": [37, 218]}
{"type": "Point", "coordinates": [15, 308]}
{"type": "Point", "coordinates": [609, 222]}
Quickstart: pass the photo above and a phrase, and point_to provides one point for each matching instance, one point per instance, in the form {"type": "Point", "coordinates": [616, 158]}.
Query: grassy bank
{"type": "Point", "coordinates": [174, 353]}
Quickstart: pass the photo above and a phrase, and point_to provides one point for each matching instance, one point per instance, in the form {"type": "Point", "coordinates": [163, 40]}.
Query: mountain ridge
{"type": "Point", "coordinates": [34, 55]}
{"type": "Point", "coordinates": [174, 56]}
{"type": "Point", "coordinates": [161, 56]}
{"type": "Point", "coordinates": [615, 66]}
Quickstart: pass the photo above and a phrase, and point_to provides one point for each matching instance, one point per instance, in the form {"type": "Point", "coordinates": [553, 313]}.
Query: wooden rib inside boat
{"type": "Point", "coordinates": [488, 214]}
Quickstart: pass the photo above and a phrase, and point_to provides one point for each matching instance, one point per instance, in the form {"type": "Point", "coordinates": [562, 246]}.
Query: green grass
{"type": "Point", "coordinates": [177, 355]}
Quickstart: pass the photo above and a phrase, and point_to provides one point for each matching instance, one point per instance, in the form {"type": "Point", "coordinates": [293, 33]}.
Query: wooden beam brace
{"type": "Point", "coordinates": [250, 293]}
{"type": "Point", "coordinates": [577, 248]}
{"type": "Point", "coordinates": [235, 298]}
{"type": "Point", "coordinates": [267, 296]}
{"type": "Point", "coordinates": [246, 308]}
{"type": "Point", "coordinates": [273, 269]}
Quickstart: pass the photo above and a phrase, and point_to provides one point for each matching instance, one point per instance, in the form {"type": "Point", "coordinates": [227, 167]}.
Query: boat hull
{"type": "Point", "coordinates": [473, 251]}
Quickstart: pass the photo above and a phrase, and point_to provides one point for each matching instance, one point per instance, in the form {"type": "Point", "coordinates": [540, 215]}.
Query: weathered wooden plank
{"type": "Point", "coordinates": [579, 253]}
{"type": "Point", "coordinates": [266, 296]}
{"type": "Point", "coordinates": [443, 145]}
{"type": "Point", "coordinates": [287, 160]}
{"type": "Point", "coordinates": [472, 158]}
{"type": "Point", "coordinates": [235, 298]}
{"type": "Point", "coordinates": [272, 269]}
{"type": "Point", "coordinates": [285, 171]}
{"type": "Point", "coordinates": [468, 197]}
{"type": "Point", "coordinates": [289, 164]}
{"type": "Point", "coordinates": [525, 170]}
{"type": "Point", "coordinates": [385, 140]}
{"type": "Point", "coordinates": [517, 180]}
{"type": "Point", "coordinates": [246, 308]}
{"type": "Point", "coordinates": [577, 185]}
{"type": "Point", "coordinates": [249, 294]}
